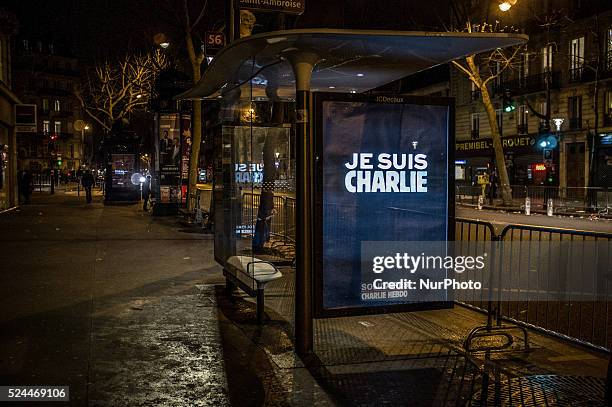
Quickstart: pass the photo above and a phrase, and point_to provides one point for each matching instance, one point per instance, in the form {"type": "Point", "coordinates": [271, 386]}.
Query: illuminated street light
{"type": "Point", "coordinates": [506, 5]}
{"type": "Point", "coordinates": [87, 127]}
{"type": "Point", "coordinates": [164, 45]}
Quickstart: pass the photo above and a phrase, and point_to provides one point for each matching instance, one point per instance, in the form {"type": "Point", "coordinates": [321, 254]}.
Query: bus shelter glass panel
{"type": "Point", "coordinates": [254, 184]}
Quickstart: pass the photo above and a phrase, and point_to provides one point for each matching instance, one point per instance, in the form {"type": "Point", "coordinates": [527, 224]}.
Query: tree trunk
{"type": "Point", "coordinates": [194, 158]}
{"type": "Point", "coordinates": [500, 160]}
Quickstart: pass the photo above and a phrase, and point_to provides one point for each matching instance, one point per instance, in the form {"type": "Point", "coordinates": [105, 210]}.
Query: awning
{"type": "Point", "coordinates": [351, 61]}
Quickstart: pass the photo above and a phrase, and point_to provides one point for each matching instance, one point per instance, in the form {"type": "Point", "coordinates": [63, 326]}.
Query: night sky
{"type": "Point", "coordinates": [95, 29]}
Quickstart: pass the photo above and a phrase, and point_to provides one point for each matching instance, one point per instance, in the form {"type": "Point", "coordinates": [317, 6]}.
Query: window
{"type": "Point", "coordinates": [39, 46]}
{"type": "Point", "coordinates": [71, 150]}
{"type": "Point", "coordinates": [608, 109]}
{"type": "Point", "coordinates": [498, 76]}
{"type": "Point", "coordinates": [475, 125]}
{"type": "Point", "coordinates": [609, 49]}
{"type": "Point", "coordinates": [522, 119]}
{"type": "Point", "coordinates": [46, 126]}
{"type": "Point", "coordinates": [543, 113]}
{"type": "Point", "coordinates": [45, 105]}
{"type": "Point", "coordinates": [1, 61]}
{"type": "Point", "coordinates": [57, 127]}
{"type": "Point", "coordinates": [56, 105]}
{"type": "Point", "coordinates": [475, 94]}
{"type": "Point", "coordinates": [524, 68]}
{"type": "Point", "coordinates": [51, 48]}
{"type": "Point", "coordinates": [547, 58]}
{"type": "Point", "coordinates": [576, 54]}
{"type": "Point", "coordinates": [574, 109]}
{"type": "Point", "coordinates": [499, 117]}
{"type": "Point", "coordinates": [26, 45]}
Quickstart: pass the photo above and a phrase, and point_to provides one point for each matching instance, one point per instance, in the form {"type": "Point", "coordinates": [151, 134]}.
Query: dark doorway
{"type": "Point", "coordinates": [575, 165]}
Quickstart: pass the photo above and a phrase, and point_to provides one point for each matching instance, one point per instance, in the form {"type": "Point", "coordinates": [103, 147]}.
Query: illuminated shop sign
{"type": "Point", "coordinates": [382, 183]}
{"type": "Point", "coordinates": [507, 142]}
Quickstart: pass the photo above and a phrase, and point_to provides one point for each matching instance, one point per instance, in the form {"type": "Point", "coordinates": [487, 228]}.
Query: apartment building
{"type": "Point", "coordinates": [560, 85]}
{"type": "Point", "coordinates": [45, 75]}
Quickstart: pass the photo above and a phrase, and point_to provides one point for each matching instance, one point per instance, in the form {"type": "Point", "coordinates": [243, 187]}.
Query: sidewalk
{"type": "Point", "coordinates": [111, 302]}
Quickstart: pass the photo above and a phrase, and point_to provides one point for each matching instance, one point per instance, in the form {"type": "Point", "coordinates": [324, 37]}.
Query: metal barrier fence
{"type": "Point", "coordinates": [565, 199]}
{"type": "Point", "coordinates": [282, 222]}
{"type": "Point", "coordinates": [515, 272]}
{"type": "Point", "coordinates": [549, 279]}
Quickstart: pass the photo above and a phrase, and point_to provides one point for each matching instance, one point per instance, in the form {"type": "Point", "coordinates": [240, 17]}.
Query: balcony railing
{"type": "Point", "coordinates": [581, 74]}
{"type": "Point", "coordinates": [575, 123]}
{"type": "Point", "coordinates": [529, 84]}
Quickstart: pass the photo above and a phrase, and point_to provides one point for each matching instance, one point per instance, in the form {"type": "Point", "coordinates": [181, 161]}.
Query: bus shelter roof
{"type": "Point", "coordinates": [350, 61]}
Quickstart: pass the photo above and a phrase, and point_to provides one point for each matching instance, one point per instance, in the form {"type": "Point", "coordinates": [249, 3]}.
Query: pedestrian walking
{"type": "Point", "coordinates": [87, 181]}
{"type": "Point", "coordinates": [146, 192]}
{"type": "Point", "coordinates": [25, 186]}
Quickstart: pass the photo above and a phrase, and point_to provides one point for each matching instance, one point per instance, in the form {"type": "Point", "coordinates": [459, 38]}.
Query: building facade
{"type": "Point", "coordinates": [45, 75]}
{"type": "Point", "coordinates": [8, 100]}
{"type": "Point", "coordinates": [559, 128]}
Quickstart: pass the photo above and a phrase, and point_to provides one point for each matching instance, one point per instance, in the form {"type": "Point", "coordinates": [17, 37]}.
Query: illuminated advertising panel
{"type": "Point", "coordinates": [384, 175]}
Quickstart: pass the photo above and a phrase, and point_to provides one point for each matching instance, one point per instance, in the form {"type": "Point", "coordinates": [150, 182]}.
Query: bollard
{"type": "Point", "coordinates": [527, 206]}
{"type": "Point", "coordinates": [549, 207]}
{"type": "Point", "coordinates": [480, 202]}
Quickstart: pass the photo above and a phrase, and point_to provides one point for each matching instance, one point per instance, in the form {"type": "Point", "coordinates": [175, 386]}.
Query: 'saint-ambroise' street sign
{"type": "Point", "coordinates": [282, 6]}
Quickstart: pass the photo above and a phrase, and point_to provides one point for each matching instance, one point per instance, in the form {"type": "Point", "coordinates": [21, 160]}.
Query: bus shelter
{"type": "Point", "coordinates": [315, 168]}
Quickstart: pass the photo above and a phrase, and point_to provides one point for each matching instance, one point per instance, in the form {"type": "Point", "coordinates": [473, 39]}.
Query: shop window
{"type": "Point", "coordinates": [574, 108]}
{"type": "Point", "coordinates": [475, 125]}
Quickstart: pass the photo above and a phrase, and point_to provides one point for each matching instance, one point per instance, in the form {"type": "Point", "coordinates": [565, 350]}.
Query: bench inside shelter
{"type": "Point", "coordinates": [251, 275]}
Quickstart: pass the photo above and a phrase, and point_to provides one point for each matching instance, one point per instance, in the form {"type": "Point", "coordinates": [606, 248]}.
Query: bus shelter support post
{"type": "Point", "coordinates": [302, 63]}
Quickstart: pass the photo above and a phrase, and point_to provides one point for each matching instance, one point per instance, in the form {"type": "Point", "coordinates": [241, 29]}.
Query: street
{"type": "Point", "coordinates": [504, 218]}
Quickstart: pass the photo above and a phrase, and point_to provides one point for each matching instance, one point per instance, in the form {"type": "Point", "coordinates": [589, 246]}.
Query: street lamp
{"type": "Point", "coordinates": [506, 5]}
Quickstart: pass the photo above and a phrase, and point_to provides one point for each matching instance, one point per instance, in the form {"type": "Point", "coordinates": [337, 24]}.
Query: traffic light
{"type": "Point", "coordinates": [508, 103]}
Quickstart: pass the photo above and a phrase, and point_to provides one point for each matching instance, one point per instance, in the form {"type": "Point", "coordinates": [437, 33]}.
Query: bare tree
{"type": "Point", "coordinates": [112, 91]}
{"type": "Point", "coordinates": [481, 70]}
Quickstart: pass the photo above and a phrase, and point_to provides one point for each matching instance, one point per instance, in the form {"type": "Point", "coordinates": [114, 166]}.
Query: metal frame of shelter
{"type": "Point", "coordinates": [289, 65]}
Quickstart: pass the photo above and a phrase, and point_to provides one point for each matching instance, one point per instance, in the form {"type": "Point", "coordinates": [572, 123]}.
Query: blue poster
{"type": "Point", "coordinates": [384, 186]}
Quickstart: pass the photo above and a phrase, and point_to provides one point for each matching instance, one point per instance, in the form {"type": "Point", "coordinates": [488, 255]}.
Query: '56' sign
{"type": "Point", "coordinates": [215, 40]}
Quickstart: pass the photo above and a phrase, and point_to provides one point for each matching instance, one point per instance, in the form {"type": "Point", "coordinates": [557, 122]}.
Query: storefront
{"type": "Point", "coordinates": [8, 146]}
{"type": "Point", "coordinates": [528, 163]}
{"type": "Point", "coordinates": [305, 156]}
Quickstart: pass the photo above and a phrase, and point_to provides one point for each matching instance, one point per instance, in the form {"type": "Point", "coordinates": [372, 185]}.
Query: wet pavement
{"type": "Point", "coordinates": [130, 310]}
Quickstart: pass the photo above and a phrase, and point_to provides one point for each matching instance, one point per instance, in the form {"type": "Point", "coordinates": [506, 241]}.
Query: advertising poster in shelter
{"type": "Point", "coordinates": [383, 202]}
{"type": "Point", "coordinates": [169, 157]}
{"type": "Point", "coordinates": [185, 153]}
